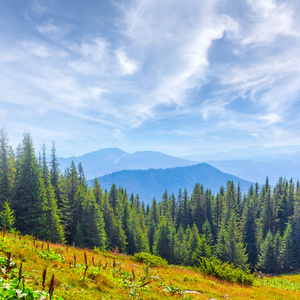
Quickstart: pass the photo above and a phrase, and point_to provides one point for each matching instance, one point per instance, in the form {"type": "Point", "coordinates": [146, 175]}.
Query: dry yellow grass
{"type": "Point", "coordinates": [111, 276]}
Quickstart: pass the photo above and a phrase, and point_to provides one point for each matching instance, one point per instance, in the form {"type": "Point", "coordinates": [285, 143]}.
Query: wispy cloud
{"type": "Point", "coordinates": [158, 62]}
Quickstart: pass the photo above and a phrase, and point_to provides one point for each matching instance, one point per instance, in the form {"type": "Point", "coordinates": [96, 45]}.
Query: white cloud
{"type": "Point", "coordinates": [52, 30]}
{"type": "Point", "coordinates": [128, 66]}
{"type": "Point", "coordinates": [269, 20]}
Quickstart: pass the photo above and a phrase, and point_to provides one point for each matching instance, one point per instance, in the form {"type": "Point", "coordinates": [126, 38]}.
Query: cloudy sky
{"type": "Point", "coordinates": [173, 76]}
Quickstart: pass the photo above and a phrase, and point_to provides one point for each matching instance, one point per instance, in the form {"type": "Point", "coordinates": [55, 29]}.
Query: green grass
{"type": "Point", "coordinates": [92, 274]}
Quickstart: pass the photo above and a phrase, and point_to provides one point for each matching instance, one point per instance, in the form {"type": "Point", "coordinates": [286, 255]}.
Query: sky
{"type": "Point", "coordinates": [180, 77]}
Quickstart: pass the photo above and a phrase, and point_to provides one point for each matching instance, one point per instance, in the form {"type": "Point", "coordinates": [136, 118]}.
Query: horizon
{"type": "Point", "coordinates": [188, 77]}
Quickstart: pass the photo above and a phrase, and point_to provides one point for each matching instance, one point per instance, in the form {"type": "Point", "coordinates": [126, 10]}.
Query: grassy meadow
{"type": "Point", "coordinates": [92, 274]}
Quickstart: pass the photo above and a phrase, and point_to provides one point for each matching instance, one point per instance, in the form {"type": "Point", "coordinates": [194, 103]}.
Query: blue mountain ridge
{"type": "Point", "coordinates": [153, 182]}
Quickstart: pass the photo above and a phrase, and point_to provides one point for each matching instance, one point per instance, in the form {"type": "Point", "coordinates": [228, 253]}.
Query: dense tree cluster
{"type": "Point", "coordinates": [260, 228]}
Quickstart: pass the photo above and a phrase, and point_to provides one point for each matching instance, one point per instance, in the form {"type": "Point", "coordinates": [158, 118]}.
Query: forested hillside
{"type": "Point", "coordinates": [153, 182]}
{"type": "Point", "coordinates": [260, 229]}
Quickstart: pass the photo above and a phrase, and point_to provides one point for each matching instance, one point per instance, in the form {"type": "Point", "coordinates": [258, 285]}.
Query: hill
{"type": "Point", "coordinates": [86, 274]}
{"type": "Point", "coordinates": [109, 160]}
{"type": "Point", "coordinates": [153, 182]}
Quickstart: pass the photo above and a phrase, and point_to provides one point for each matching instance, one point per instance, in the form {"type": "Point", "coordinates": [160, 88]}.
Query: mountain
{"type": "Point", "coordinates": [257, 153]}
{"type": "Point", "coordinates": [257, 171]}
{"type": "Point", "coordinates": [109, 160]}
{"type": "Point", "coordinates": [153, 183]}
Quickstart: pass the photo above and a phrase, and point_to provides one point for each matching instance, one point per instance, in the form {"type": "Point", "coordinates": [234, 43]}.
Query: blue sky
{"type": "Point", "coordinates": [175, 76]}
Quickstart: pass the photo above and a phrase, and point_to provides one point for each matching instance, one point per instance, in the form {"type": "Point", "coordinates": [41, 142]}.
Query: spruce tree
{"type": "Point", "coordinates": [98, 192]}
{"type": "Point", "coordinates": [7, 217]}
{"type": "Point", "coordinates": [29, 195]}
{"type": "Point", "coordinates": [91, 223]}
{"type": "Point", "coordinates": [277, 245]}
{"type": "Point", "coordinates": [181, 254]}
{"type": "Point", "coordinates": [266, 256]}
{"type": "Point", "coordinates": [248, 229]}
{"type": "Point", "coordinates": [7, 169]}
{"type": "Point", "coordinates": [162, 240]}
{"type": "Point", "coordinates": [295, 222]}
{"type": "Point", "coordinates": [55, 232]}
{"type": "Point", "coordinates": [287, 249]}
{"type": "Point", "coordinates": [55, 176]}
{"type": "Point", "coordinates": [229, 247]}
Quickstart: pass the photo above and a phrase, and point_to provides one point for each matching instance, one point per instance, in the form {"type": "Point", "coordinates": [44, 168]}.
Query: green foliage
{"type": "Point", "coordinates": [51, 255]}
{"type": "Point", "coordinates": [225, 271]}
{"type": "Point", "coordinates": [150, 259]}
{"type": "Point", "coordinates": [287, 252]}
{"type": "Point", "coordinates": [7, 216]}
{"type": "Point", "coordinates": [10, 289]}
{"type": "Point", "coordinates": [278, 283]}
{"type": "Point", "coordinates": [174, 290]}
{"type": "Point", "coordinates": [266, 257]}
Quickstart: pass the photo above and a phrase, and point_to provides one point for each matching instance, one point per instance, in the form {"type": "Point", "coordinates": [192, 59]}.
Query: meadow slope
{"type": "Point", "coordinates": [92, 274]}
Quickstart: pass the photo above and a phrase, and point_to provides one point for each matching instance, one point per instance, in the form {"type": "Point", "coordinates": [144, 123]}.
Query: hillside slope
{"type": "Point", "coordinates": [153, 183]}
{"type": "Point", "coordinates": [86, 274]}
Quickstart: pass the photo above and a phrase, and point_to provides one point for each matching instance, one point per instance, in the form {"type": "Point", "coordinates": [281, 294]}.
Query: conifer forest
{"type": "Point", "coordinates": [258, 229]}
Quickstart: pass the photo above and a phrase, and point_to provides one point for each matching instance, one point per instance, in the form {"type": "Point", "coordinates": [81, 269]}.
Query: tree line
{"type": "Point", "coordinates": [259, 229]}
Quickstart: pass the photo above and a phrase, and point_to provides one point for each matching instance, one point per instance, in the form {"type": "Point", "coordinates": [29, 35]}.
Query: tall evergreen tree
{"type": "Point", "coordinates": [162, 240]}
{"type": "Point", "coordinates": [287, 249]}
{"type": "Point", "coordinates": [7, 217]}
{"type": "Point", "coordinates": [266, 256]}
{"type": "Point", "coordinates": [7, 169]}
{"type": "Point", "coordinates": [55, 176]}
{"type": "Point", "coordinates": [29, 195]}
{"type": "Point", "coordinates": [91, 229]}
{"type": "Point", "coordinates": [229, 247]}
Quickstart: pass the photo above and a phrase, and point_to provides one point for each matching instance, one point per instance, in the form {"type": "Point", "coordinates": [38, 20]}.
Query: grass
{"type": "Point", "coordinates": [87, 274]}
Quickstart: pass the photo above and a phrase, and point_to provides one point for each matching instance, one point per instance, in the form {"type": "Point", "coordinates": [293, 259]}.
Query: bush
{"type": "Point", "coordinates": [225, 271]}
{"type": "Point", "coordinates": [150, 259]}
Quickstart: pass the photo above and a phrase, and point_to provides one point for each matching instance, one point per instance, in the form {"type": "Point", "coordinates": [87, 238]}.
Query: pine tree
{"type": "Point", "coordinates": [277, 251]}
{"type": "Point", "coordinates": [267, 215]}
{"type": "Point", "coordinates": [91, 223]}
{"type": "Point", "coordinates": [136, 238]}
{"type": "Point", "coordinates": [181, 254]}
{"type": "Point", "coordinates": [113, 196]}
{"type": "Point", "coordinates": [295, 222]}
{"type": "Point", "coordinates": [229, 248]}
{"type": "Point", "coordinates": [55, 232]}
{"type": "Point", "coordinates": [7, 217]}
{"type": "Point", "coordinates": [70, 206]}
{"type": "Point", "coordinates": [54, 176]}
{"type": "Point", "coordinates": [248, 230]}
{"type": "Point", "coordinates": [287, 249]}
{"type": "Point", "coordinates": [266, 256]}
{"type": "Point", "coordinates": [98, 192]}
{"type": "Point", "coordinates": [29, 196]}
{"type": "Point", "coordinates": [207, 234]}
{"type": "Point", "coordinates": [115, 234]}
{"type": "Point", "coordinates": [7, 169]}
{"type": "Point", "coordinates": [203, 250]}
{"type": "Point", "coordinates": [162, 240]}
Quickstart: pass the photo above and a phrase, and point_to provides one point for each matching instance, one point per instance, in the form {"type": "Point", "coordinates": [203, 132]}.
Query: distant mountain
{"type": "Point", "coordinates": [257, 153]}
{"type": "Point", "coordinates": [153, 183]}
{"type": "Point", "coordinates": [257, 171]}
{"type": "Point", "coordinates": [109, 160]}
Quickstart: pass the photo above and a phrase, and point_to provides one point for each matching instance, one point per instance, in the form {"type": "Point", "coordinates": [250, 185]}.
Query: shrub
{"type": "Point", "coordinates": [51, 255]}
{"type": "Point", "coordinates": [225, 271]}
{"type": "Point", "coordinates": [150, 259]}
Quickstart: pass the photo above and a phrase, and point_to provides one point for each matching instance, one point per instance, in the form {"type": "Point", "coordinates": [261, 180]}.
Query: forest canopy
{"type": "Point", "coordinates": [256, 229]}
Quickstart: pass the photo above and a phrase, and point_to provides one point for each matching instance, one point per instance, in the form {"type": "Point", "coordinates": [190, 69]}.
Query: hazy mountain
{"type": "Point", "coordinates": [109, 160]}
{"type": "Point", "coordinates": [258, 153]}
{"type": "Point", "coordinates": [257, 171]}
{"type": "Point", "coordinates": [153, 183]}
